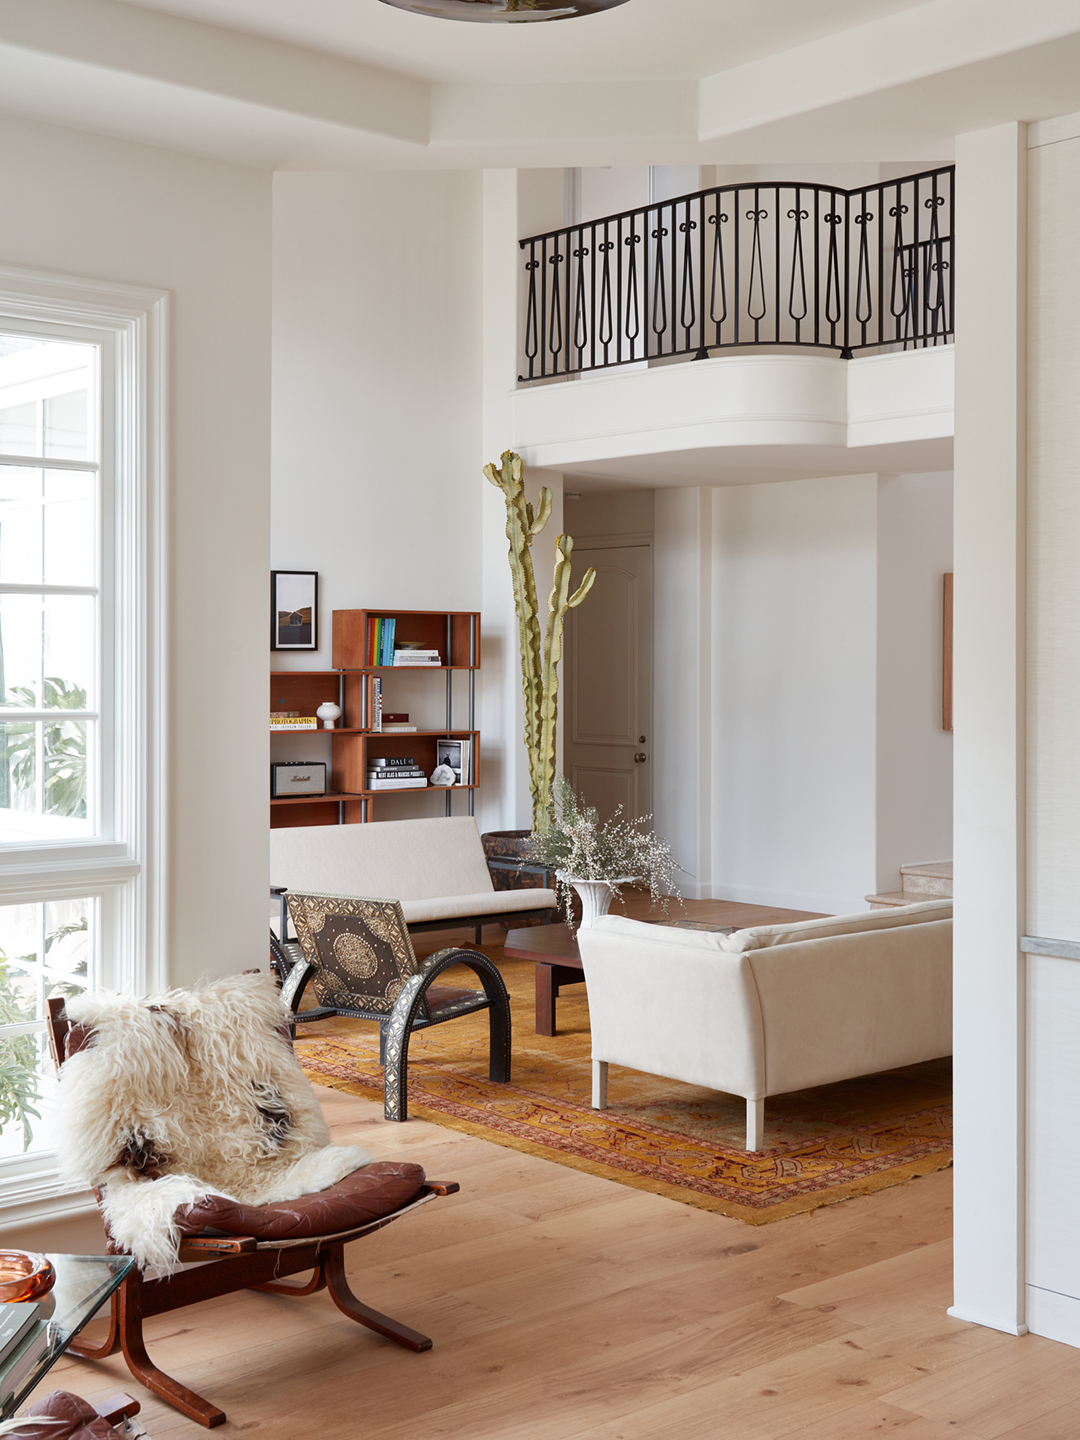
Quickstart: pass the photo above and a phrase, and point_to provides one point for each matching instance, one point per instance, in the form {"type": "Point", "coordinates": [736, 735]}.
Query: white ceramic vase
{"type": "Point", "coordinates": [595, 896]}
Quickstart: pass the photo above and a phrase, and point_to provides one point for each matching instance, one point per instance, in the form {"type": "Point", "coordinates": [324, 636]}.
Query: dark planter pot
{"type": "Point", "coordinates": [511, 870]}
{"type": "Point", "coordinates": [507, 861]}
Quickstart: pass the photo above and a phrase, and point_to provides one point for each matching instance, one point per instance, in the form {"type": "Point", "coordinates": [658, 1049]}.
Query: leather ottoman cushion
{"type": "Point", "coordinates": [79, 1420]}
{"type": "Point", "coordinates": [367, 1194]}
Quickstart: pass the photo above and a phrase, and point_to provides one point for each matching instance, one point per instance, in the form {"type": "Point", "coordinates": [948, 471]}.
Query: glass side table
{"type": "Point", "coordinates": [83, 1284]}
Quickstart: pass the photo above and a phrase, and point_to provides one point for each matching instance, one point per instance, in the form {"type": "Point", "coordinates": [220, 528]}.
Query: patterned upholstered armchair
{"type": "Point", "coordinates": [358, 956]}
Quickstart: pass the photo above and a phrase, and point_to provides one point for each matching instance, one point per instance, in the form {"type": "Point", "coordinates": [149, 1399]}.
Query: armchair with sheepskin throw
{"type": "Point", "coordinates": [191, 1118]}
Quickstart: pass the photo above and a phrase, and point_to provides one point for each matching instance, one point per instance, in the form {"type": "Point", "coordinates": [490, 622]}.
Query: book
{"type": "Point", "coordinates": [304, 722]}
{"type": "Point", "coordinates": [458, 755]}
{"type": "Point", "coordinates": [374, 702]}
{"type": "Point", "coordinates": [15, 1320]}
{"type": "Point", "coordinates": [406, 761]}
{"type": "Point", "coordinates": [397, 729]}
{"type": "Point", "coordinates": [386, 645]}
{"type": "Point", "coordinates": [410, 657]}
{"type": "Point", "coordinates": [394, 784]}
{"type": "Point", "coordinates": [396, 775]}
{"type": "Point", "coordinates": [25, 1362]}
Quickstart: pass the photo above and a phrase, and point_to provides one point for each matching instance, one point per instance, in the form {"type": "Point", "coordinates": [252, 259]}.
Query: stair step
{"type": "Point", "coordinates": [888, 900]}
{"type": "Point", "coordinates": [928, 878]}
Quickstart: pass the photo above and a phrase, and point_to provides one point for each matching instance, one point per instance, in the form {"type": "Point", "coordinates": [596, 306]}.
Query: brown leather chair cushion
{"type": "Point", "coordinates": [367, 1194]}
{"type": "Point", "coordinates": [81, 1420]}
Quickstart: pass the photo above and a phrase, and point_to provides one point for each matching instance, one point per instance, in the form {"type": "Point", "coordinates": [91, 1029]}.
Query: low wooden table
{"type": "Point", "coordinates": [558, 963]}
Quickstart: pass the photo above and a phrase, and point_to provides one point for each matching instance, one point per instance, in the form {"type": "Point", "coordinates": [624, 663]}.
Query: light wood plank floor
{"type": "Point", "coordinates": [567, 1307]}
{"type": "Point", "coordinates": [563, 1305]}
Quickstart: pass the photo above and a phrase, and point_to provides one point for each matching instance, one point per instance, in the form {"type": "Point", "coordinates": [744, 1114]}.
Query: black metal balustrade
{"type": "Point", "coordinates": [744, 265]}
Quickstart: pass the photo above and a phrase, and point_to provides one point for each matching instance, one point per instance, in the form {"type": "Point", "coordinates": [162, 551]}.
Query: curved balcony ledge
{"type": "Point", "coordinates": [738, 403]}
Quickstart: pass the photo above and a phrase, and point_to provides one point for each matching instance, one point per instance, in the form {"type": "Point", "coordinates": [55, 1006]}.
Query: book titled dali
{"type": "Point", "coordinates": [397, 772]}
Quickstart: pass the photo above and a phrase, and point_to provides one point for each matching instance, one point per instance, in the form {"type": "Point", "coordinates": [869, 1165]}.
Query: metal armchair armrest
{"type": "Point", "coordinates": [407, 1006]}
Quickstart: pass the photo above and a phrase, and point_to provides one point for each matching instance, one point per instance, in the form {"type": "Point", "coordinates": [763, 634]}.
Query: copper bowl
{"type": "Point", "coordinates": [24, 1275]}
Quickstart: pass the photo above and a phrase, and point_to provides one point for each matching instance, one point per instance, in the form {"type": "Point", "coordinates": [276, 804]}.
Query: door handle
{"type": "Point", "coordinates": [640, 758]}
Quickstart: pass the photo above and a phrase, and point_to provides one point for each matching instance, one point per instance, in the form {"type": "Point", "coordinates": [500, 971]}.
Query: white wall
{"type": "Point", "coordinates": [800, 758]}
{"type": "Point", "coordinates": [794, 661]}
{"type": "Point", "coordinates": [682, 680]}
{"type": "Point", "coordinates": [914, 754]}
{"type": "Point", "coordinates": [376, 408]}
{"type": "Point", "coordinates": [83, 205]}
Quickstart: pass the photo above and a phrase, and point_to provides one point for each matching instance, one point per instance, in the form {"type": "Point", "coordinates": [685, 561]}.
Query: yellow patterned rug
{"type": "Point", "coordinates": [677, 1140]}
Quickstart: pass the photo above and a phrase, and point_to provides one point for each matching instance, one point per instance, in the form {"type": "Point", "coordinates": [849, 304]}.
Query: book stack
{"type": "Point", "coordinates": [16, 1322]}
{"type": "Point", "coordinates": [398, 721]}
{"type": "Point", "coordinates": [411, 656]}
{"type": "Point", "coordinates": [291, 720]}
{"type": "Point", "coordinates": [397, 772]}
{"type": "Point", "coordinates": [380, 640]}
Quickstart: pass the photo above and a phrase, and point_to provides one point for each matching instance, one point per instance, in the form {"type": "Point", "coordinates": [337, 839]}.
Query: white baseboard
{"type": "Point", "coordinates": [786, 899]}
{"type": "Point", "coordinates": [991, 1322]}
{"type": "Point", "coordinates": [1054, 1316]}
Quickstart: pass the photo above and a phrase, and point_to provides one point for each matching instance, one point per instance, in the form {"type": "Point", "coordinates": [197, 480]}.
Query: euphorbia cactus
{"type": "Point", "coordinates": [539, 656]}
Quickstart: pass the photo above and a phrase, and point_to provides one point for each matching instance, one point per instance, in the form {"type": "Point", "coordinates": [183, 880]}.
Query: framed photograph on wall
{"type": "Point", "coordinates": [294, 609]}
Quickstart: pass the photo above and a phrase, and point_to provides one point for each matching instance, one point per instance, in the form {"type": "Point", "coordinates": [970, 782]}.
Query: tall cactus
{"type": "Point", "coordinates": [539, 655]}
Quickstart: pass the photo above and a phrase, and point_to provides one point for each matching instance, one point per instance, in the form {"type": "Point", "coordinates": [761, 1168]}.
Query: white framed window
{"type": "Point", "coordinates": [82, 678]}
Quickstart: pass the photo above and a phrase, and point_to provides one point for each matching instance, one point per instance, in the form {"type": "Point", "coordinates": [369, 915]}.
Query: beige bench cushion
{"type": "Point", "coordinates": [491, 902]}
{"type": "Point", "coordinates": [399, 859]}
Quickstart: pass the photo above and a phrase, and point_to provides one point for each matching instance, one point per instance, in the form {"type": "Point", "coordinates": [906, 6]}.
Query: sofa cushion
{"type": "Point", "coordinates": [399, 859]}
{"type": "Point", "coordinates": [497, 902]}
{"type": "Point", "coordinates": [669, 934]}
{"type": "Point", "coordinates": [760, 936]}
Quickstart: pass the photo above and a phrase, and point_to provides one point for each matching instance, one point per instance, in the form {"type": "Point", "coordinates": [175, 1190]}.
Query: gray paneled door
{"type": "Point", "coordinates": [607, 746]}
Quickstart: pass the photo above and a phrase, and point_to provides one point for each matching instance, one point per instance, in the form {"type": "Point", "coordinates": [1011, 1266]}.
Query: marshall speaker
{"type": "Point", "coordinates": [294, 779]}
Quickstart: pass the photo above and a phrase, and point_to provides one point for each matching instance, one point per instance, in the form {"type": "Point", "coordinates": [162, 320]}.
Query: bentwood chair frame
{"type": "Point", "coordinates": [240, 1262]}
{"type": "Point", "coordinates": [399, 993]}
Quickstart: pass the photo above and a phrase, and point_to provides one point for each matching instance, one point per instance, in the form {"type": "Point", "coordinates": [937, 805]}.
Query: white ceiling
{"type": "Point", "coordinates": [646, 39]}
{"type": "Point", "coordinates": [756, 465]}
{"type": "Point", "coordinates": [356, 84]}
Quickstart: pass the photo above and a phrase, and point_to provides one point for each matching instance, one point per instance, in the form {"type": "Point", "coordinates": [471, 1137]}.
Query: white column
{"type": "Point", "coordinates": [683, 679]}
{"type": "Point", "coordinates": [989, 697]}
{"type": "Point", "coordinates": [504, 795]}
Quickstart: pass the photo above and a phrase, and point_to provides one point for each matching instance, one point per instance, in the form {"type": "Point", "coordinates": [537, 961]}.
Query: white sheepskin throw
{"type": "Point", "coordinates": [187, 1094]}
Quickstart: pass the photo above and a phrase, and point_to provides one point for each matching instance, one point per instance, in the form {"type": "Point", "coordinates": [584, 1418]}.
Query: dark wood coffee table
{"type": "Point", "coordinates": [558, 963]}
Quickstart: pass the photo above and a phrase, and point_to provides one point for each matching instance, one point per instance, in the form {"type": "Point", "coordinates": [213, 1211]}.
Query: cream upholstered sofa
{"type": "Point", "coordinates": [436, 868]}
{"type": "Point", "coordinates": [771, 1009]}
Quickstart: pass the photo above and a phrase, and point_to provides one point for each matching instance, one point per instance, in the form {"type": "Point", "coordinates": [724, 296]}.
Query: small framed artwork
{"type": "Point", "coordinates": [294, 610]}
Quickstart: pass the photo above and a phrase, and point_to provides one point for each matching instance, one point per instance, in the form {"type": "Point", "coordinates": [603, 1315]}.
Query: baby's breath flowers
{"type": "Point", "coordinates": [578, 847]}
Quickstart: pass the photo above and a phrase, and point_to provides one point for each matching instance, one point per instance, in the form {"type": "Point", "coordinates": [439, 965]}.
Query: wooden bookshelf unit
{"type": "Point", "coordinates": [354, 743]}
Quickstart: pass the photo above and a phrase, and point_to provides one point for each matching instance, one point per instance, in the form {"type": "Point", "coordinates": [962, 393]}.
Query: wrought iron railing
{"type": "Point", "coordinates": [744, 265]}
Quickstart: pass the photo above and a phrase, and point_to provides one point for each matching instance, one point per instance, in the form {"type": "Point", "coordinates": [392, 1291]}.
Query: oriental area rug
{"type": "Point", "coordinates": [824, 1145]}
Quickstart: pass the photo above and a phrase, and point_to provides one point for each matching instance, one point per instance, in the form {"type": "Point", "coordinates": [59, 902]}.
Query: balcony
{"type": "Point", "coordinates": [769, 285]}
{"type": "Point", "coordinates": [744, 266]}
